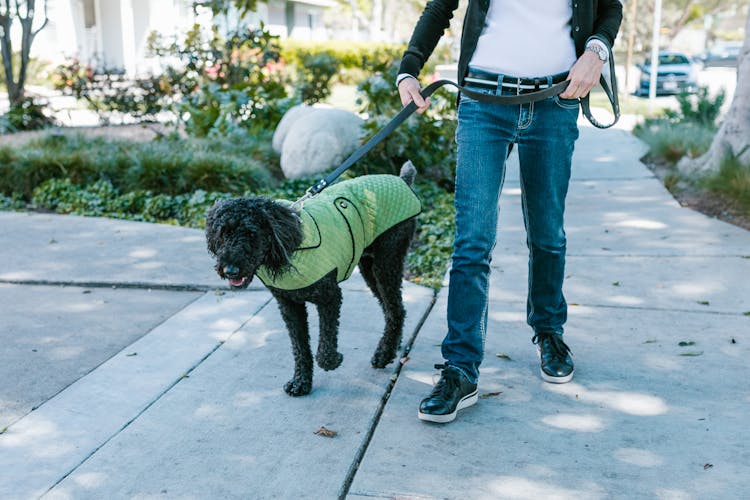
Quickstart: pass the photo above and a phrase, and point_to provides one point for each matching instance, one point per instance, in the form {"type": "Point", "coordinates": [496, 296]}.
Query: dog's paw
{"type": "Point", "coordinates": [298, 387]}
{"type": "Point", "coordinates": [330, 362]}
{"type": "Point", "coordinates": [382, 358]}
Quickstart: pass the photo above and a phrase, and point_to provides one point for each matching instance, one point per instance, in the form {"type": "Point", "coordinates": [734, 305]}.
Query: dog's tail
{"type": "Point", "coordinates": [408, 172]}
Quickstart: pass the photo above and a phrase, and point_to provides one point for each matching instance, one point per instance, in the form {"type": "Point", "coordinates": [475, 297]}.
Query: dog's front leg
{"type": "Point", "coordinates": [329, 309]}
{"type": "Point", "coordinates": [295, 318]}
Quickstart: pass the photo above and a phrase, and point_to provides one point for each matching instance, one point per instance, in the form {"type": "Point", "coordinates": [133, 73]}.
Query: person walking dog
{"type": "Point", "coordinates": [510, 47]}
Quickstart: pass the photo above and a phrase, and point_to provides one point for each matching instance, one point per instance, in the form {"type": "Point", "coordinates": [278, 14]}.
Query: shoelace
{"type": "Point", "coordinates": [552, 342]}
{"type": "Point", "coordinates": [448, 377]}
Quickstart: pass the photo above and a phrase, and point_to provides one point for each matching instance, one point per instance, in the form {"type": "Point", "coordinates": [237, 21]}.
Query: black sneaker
{"type": "Point", "coordinates": [557, 365]}
{"type": "Point", "coordinates": [453, 392]}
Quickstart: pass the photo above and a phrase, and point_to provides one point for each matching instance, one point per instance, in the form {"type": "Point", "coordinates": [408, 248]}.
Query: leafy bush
{"type": "Point", "coordinates": [732, 181]}
{"type": "Point", "coordinates": [354, 59]}
{"type": "Point", "coordinates": [26, 115]}
{"type": "Point", "coordinates": [233, 164]}
{"type": "Point", "coordinates": [686, 132]}
{"type": "Point", "coordinates": [109, 91]}
{"type": "Point", "coordinates": [431, 250]}
{"type": "Point", "coordinates": [314, 79]}
{"type": "Point", "coordinates": [428, 140]}
{"type": "Point", "coordinates": [219, 83]}
{"type": "Point", "coordinates": [669, 141]}
{"type": "Point", "coordinates": [701, 109]}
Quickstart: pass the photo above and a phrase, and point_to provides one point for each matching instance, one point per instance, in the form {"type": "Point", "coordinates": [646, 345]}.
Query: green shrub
{"type": "Point", "coordinates": [365, 56]}
{"type": "Point", "coordinates": [732, 181]}
{"type": "Point", "coordinates": [669, 140]}
{"type": "Point", "coordinates": [220, 82]}
{"type": "Point", "coordinates": [314, 80]}
{"type": "Point", "coordinates": [167, 166]}
{"type": "Point", "coordinates": [26, 115]}
{"type": "Point", "coordinates": [701, 108]}
{"type": "Point", "coordinates": [685, 132]}
{"type": "Point", "coordinates": [428, 140]}
{"type": "Point", "coordinates": [431, 250]}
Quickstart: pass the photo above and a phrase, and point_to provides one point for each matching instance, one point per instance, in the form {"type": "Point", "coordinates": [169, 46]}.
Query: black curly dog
{"type": "Point", "coordinates": [245, 233]}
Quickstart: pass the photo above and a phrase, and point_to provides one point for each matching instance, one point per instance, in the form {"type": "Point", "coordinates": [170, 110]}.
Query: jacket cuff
{"type": "Point", "coordinates": [410, 64]}
{"type": "Point", "coordinates": [403, 76]}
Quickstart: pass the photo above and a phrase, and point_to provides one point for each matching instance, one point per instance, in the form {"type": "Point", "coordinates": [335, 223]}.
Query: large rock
{"type": "Point", "coordinates": [282, 129]}
{"type": "Point", "coordinates": [317, 140]}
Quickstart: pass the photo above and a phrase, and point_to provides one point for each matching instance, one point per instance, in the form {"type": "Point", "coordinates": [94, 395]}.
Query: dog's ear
{"type": "Point", "coordinates": [285, 236]}
{"type": "Point", "coordinates": [214, 225]}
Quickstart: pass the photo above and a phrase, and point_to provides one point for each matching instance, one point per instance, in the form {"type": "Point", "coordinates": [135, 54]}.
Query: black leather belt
{"type": "Point", "coordinates": [490, 81]}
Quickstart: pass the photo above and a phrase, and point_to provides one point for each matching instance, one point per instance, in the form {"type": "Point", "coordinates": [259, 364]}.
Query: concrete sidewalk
{"type": "Point", "coordinates": [130, 373]}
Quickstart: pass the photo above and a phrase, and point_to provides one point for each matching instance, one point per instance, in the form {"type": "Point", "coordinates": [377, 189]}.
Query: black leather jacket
{"type": "Point", "coordinates": [599, 18]}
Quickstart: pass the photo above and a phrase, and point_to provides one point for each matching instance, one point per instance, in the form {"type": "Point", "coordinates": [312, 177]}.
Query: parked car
{"type": "Point", "coordinates": [675, 74]}
{"type": "Point", "coordinates": [722, 54]}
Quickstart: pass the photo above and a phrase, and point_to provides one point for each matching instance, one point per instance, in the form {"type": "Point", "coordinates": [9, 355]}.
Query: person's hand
{"type": "Point", "coordinates": [583, 75]}
{"type": "Point", "coordinates": [409, 90]}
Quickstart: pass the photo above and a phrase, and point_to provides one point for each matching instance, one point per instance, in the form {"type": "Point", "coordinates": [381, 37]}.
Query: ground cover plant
{"type": "Point", "coordinates": [689, 131]}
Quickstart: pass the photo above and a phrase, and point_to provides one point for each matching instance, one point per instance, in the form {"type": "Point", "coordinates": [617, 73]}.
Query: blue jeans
{"type": "Point", "coordinates": [545, 133]}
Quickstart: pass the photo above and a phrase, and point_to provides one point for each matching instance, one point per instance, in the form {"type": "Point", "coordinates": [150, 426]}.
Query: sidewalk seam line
{"type": "Point", "coordinates": [155, 400]}
{"type": "Point", "coordinates": [53, 396]}
{"type": "Point", "coordinates": [637, 308]}
{"type": "Point", "coordinates": [185, 287]}
{"type": "Point", "coordinates": [360, 454]}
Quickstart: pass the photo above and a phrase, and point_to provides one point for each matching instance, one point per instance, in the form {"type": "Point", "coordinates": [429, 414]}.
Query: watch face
{"type": "Point", "coordinates": [599, 52]}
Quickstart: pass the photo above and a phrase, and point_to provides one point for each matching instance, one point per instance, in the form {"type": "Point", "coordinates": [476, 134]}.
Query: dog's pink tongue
{"type": "Point", "coordinates": [238, 282]}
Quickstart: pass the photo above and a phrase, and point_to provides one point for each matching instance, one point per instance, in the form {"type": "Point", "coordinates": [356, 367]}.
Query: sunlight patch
{"type": "Point", "coordinates": [639, 457]}
{"type": "Point", "coordinates": [642, 224]}
{"type": "Point", "coordinates": [143, 253]}
{"type": "Point", "coordinates": [580, 423]}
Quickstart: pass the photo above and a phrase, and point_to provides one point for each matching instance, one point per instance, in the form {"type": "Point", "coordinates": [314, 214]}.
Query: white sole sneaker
{"type": "Point", "coordinates": [557, 380]}
{"type": "Point", "coordinates": [468, 400]}
{"type": "Point", "coordinates": [549, 378]}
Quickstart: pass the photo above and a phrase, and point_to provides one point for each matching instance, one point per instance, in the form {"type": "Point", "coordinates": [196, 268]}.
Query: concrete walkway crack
{"type": "Point", "coordinates": [154, 400]}
{"type": "Point", "coordinates": [359, 455]}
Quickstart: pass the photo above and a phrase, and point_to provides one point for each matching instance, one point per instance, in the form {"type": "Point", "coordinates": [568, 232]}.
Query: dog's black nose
{"type": "Point", "coordinates": [231, 271]}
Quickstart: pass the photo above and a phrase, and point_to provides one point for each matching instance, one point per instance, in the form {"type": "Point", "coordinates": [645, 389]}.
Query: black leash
{"type": "Point", "coordinates": [407, 111]}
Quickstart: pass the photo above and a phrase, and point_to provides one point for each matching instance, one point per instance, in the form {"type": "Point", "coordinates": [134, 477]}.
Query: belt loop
{"type": "Point", "coordinates": [499, 89]}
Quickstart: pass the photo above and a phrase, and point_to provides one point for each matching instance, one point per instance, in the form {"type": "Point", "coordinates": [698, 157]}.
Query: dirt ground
{"type": "Point", "coordinates": [701, 200]}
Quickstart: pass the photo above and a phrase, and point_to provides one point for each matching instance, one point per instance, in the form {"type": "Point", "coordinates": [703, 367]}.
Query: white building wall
{"type": "Point", "coordinates": [119, 35]}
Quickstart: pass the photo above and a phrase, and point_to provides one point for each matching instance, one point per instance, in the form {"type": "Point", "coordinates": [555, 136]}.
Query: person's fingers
{"type": "Point", "coordinates": [583, 76]}
{"type": "Point", "coordinates": [409, 91]}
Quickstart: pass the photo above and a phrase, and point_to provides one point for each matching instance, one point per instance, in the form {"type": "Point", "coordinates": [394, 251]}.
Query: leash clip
{"type": "Point", "coordinates": [311, 191]}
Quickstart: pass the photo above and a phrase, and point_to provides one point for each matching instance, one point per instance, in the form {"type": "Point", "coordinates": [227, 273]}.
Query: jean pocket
{"type": "Point", "coordinates": [566, 103]}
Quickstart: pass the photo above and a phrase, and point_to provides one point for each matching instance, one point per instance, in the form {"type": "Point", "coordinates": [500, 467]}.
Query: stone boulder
{"type": "Point", "coordinates": [317, 140]}
{"type": "Point", "coordinates": [282, 129]}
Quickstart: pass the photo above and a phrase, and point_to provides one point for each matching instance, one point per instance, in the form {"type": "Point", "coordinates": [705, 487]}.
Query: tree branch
{"type": "Point", "coordinates": [46, 19]}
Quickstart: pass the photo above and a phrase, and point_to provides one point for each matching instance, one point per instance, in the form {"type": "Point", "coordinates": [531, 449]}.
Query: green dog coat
{"type": "Point", "coordinates": [339, 223]}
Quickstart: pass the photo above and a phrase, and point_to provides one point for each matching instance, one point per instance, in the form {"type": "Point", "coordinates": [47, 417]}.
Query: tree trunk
{"type": "Point", "coordinates": [733, 137]}
{"type": "Point", "coordinates": [15, 86]}
{"type": "Point", "coordinates": [6, 48]}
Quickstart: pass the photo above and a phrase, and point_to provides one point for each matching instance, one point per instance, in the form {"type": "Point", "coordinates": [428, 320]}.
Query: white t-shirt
{"type": "Point", "coordinates": [526, 38]}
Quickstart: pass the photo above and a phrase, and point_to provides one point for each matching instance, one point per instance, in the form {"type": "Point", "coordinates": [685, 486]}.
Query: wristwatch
{"type": "Point", "coordinates": [599, 51]}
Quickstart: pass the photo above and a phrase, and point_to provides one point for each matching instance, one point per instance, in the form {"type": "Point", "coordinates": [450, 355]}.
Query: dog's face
{"type": "Point", "coordinates": [238, 239]}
